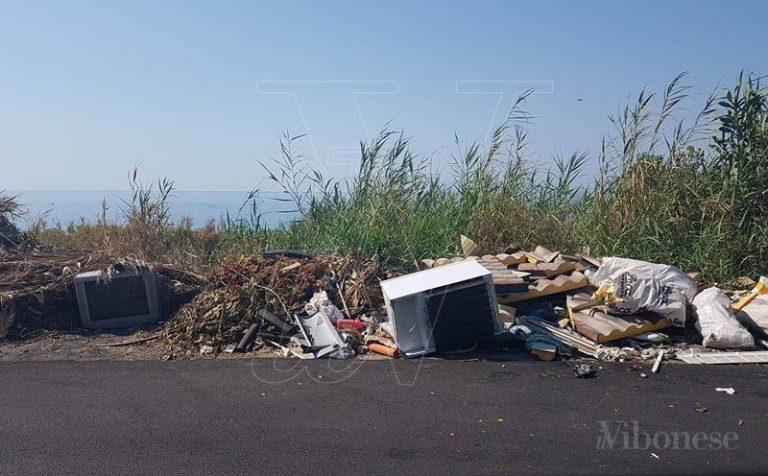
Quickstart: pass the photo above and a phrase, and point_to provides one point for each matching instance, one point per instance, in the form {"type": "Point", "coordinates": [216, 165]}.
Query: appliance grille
{"type": "Point", "coordinates": [460, 314]}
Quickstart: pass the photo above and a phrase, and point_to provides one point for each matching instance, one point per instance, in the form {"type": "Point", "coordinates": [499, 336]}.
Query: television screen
{"type": "Point", "coordinates": [124, 298]}
{"type": "Point", "coordinates": [117, 298]}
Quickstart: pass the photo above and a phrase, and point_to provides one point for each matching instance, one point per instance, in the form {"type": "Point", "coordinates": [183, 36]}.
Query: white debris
{"type": "Point", "coordinates": [633, 286]}
{"type": "Point", "coordinates": [718, 324]}
{"type": "Point", "coordinates": [320, 303]}
{"type": "Point", "coordinates": [656, 364]}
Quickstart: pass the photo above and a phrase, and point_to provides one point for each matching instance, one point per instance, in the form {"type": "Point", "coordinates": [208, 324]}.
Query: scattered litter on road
{"type": "Point", "coordinates": [585, 371]}
{"type": "Point", "coordinates": [657, 363]}
{"type": "Point", "coordinates": [728, 390]}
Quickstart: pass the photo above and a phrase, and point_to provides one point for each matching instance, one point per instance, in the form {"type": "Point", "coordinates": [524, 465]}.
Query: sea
{"type": "Point", "coordinates": [62, 207]}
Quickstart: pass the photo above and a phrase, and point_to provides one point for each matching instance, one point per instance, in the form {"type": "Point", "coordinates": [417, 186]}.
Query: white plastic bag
{"type": "Point", "coordinates": [717, 322]}
{"type": "Point", "coordinates": [638, 286]}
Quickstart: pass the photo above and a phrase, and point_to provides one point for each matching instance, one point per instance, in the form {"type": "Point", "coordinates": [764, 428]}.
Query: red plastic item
{"type": "Point", "coordinates": [350, 324]}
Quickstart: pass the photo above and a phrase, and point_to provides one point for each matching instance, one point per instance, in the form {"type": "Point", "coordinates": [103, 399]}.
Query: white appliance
{"type": "Point", "coordinates": [450, 307]}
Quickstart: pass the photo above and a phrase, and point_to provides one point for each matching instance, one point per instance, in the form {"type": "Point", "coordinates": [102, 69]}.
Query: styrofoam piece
{"type": "Point", "coordinates": [719, 358]}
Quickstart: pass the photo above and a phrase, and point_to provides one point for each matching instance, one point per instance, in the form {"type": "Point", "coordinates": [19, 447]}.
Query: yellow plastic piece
{"type": "Point", "coordinates": [760, 288]}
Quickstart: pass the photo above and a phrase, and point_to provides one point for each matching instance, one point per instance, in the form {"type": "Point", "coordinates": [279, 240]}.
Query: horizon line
{"type": "Point", "coordinates": [24, 190]}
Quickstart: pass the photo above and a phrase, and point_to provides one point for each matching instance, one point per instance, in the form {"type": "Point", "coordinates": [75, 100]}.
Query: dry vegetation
{"type": "Point", "coordinates": [242, 287]}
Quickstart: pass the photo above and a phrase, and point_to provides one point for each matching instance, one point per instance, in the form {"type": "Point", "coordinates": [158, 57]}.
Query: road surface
{"type": "Point", "coordinates": [379, 417]}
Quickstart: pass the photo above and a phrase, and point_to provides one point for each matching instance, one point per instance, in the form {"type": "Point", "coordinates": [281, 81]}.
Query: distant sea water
{"type": "Point", "coordinates": [65, 207]}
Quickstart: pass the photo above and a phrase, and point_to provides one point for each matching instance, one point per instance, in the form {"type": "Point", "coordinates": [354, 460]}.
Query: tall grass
{"type": "Point", "coordinates": [673, 187]}
{"type": "Point", "coordinates": [145, 232]}
{"type": "Point", "coordinates": [690, 193]}
{"type": "Point", "coordinates": [10, 210]}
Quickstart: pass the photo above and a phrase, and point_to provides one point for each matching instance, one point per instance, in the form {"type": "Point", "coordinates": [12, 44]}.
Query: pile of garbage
{"type": "Point", "coordinates": [549, 304]}
{"type": "Point", "coordinates": [552, 304]}
{"type": "Point", "coordinates": [268, 292]}
{"type": "Point", "coordinates": [616, 308]}
{"type": "Point", "coordinates": [37, 291]}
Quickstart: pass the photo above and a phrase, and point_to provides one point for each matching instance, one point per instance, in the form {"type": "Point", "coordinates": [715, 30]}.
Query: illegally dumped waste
{"type": "Point", "coordinates": [594, 320]}
{"type": "Point", "coordinates": [566, 339]}
{"type": "Point", "coordinates": [320, 304]}
{"type": "Point", "coordinates": [447, 308]}
{"type": "Point", "coordinates": [37, 291]}
{"type": "Point", "coordinates": [752, 310]}
{"type": "Point", "coordinates": [723, 358]}
{"type": "Point", "coordinates": [522, 276]}
{"type": "Point", "coordinates": [469, 247]}
{"type": "Point", "coordinates": [717, 323]}
{"type": "Point", "coordinates": [631, 286]}
{"type": "Point", "coordinates": [274, 290]}
{"type": "Point", "coordinates": [318, 325]}
{"type": "Point", "coordinates": [542, 346]}
{"type": "Point", "coordinates": [585, 371]}
{"type": "Point", "coordinates": [384, 350]}
{"type": "Point", "coordinates": [546, 303]}
{"type": "Point", "coordinates": [760, 290]}
{"type": "Point", "coordinates": [657, 362]}
{"type": "Point", "coordinates": [728, 390]}
{"type": "Point", "coordinates": [610, 309]}
{"type": "Point", "coordinates": [322, 338]}
{"type": "Point", "coordinates": [248, 341]}
{"type": "Point", "coordinates": [656, 337]}
{"type": "Point", "coordinates": [119, 297]}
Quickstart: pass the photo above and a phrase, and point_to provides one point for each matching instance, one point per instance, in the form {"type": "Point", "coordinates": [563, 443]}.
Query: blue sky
{"type": "Point", "coordinates": [199, 91]}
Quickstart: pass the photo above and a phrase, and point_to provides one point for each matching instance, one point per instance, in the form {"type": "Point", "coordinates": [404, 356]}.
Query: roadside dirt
{"type": "Point", "coordinates": [142, 345]}
{"type": "Point", "coordinates": [103, 346]}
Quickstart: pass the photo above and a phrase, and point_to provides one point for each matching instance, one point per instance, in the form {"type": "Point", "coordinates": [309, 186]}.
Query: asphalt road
{"type": "Point", "coordinates": [405, 417]}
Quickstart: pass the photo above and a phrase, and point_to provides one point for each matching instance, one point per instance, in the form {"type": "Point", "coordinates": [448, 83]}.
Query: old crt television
{"type": "Point", "coordinates": [118, 298]}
